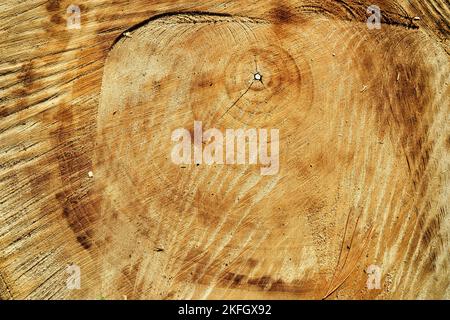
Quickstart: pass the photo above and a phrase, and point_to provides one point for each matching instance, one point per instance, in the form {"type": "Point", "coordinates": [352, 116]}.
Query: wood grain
{"type": "Point", "coordinates": [364, 140]}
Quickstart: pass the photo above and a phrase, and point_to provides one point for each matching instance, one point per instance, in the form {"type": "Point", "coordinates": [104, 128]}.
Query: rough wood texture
{"type": "Point", "coordinates": [364, 141]}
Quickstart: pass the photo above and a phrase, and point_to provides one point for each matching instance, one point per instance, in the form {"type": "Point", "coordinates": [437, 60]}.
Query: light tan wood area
{"type": "Point", "coordinates": [87, 178]}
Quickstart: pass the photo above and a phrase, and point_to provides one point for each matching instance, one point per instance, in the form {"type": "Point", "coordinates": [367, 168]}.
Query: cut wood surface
{"type": "Point", "coordinates": [86, 176]}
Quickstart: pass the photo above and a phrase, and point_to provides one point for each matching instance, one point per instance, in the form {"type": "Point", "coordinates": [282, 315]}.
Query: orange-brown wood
{"type": "Point", "coordinates": [86, 117]}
